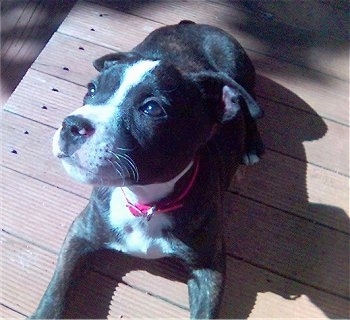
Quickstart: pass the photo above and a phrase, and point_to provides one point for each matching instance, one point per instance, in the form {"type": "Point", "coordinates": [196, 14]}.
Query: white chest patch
{"type": "Point", "coordinates": [139, 237]}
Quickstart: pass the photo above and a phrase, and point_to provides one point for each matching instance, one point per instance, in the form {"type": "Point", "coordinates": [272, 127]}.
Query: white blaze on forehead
{"type": "Point", "coordinates": [131, 77]}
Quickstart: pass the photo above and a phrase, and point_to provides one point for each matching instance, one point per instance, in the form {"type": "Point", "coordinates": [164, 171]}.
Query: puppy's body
{"type": "Point", "coordinates": [162, 130]}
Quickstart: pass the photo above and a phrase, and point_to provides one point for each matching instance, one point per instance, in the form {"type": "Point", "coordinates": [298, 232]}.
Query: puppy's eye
{"type": "Point", "coordinates": [153, 109]}
{"type": "Point", "coordinates": [91, 89]}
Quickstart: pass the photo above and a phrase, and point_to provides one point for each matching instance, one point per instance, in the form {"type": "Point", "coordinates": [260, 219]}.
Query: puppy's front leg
{"type": "Point", "coordinates": [76, 247]}
{"type": "Point", "coordinates": [205, 290]}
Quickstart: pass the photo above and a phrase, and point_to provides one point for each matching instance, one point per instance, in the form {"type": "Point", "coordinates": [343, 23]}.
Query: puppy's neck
{"type": "Point", "coordinates": [153, 192]}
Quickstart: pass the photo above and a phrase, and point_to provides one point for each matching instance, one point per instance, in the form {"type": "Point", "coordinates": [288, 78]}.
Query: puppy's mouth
{"type": "Point", "coordinates": [117, 171]}
{"type": "Point", "coordinates": [99, 165]}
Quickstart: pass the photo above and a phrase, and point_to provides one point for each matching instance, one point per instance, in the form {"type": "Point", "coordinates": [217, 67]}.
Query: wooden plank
{"type": "Point", "coordinates": [308, 251]}
{"type": "Point", "coordinates": [25, 28]}
{"type": "Point", "coordinates": [312, 38]}
{"type": "Point", "coordinates": [54, 99]}
{"type": "Point", "coordinates": [235, 17]}
{"type": "Point", "coordinates": [52, 60]}
{"type": "Point", "coordinates": [329, 97]}
{"type": "Point", "coordinates": [151, 307]}
{"type": "Point", "coordinates": [311, 16]}
{"type": "Point", "coordinates": [152, 276]}
{"type": "Point", "coordinates": [112, 33]}
{"type": "Point", "coordinates": [43, 208]}
{"type": "Point", "coordinates": [285, 184]}
{"type": "Point", "coordinates": [27, 269]}
{"type": "Point", "coordinates": [284, 128]}
{"type": "Point", "coordinates": [30, 268]}
{"type": "Point", "coordinates": [65, 52]}
{"type": "Point", "coordinates": [97, 22]}
{"type": "Point", "coordinates": [244, 282]}
{"type": "Point", "coordinates": [270, 182]}
{"type": "Point", "coordinates": [295, 248]}
{"type": "Point", "coordinates": [305, 136]}
{"type": "Point", "coordinates": [255, 293]}
{"type": "Point", "coordinates": [7, 313]}
{"type": "Point", "coordinates": [292, 43]}
{"type": "Point", "coordinates": [252, 230]}
{"type": "Point", "coordinates": [98, 297]}
{"type": "Point", "coordinates": [31, 153]}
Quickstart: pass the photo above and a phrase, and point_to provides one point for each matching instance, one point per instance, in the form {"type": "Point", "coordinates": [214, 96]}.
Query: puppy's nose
{"type": "Point", "coordinates": [77, 126]}
{"type": "Point", "coordinates": [75, 131]}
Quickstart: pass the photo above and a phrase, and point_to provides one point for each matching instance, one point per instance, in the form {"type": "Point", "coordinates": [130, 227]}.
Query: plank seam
{"type": "Point", "coordinates": [307, 162]}
{"type": "Point", "coordinates": [55, 76]}
{"type": "Point", "coordinates": [27, 118]}
{"type": "Point", "coordinates": [140, 289]}
{"type": "Point", "coordinates": [294, 214]}
{"type": "Point", "coordinates": [88, 41]}
{"type": "Point", "coordinates": [14, 310]}
{"type": "Point", "coordinates": [285, 60]}
{"type": "Point", "coordinates": [28, 241]}
{"type": "Point", "coordinates": [257, 265]}
{"type": "Point", "coordinates": [302, 110]}
{"type": "Point", "coordinates": [45, 182]}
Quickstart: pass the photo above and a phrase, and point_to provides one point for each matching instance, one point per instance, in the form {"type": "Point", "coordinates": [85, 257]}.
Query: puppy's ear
{"type": "Point", "coordinates": [109, 60]}
{"type": "Point", "coordinates": [217, 85]}
{"type": "Point", "coordinates": [231, 100]}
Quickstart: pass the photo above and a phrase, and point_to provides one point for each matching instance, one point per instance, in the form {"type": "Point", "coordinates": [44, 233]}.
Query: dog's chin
{"type": "Point", "coordinates": [99, 177]}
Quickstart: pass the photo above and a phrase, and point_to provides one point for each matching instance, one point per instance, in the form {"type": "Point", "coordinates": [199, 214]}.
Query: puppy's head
{"type": "Point", "coordinates": [142, 122]}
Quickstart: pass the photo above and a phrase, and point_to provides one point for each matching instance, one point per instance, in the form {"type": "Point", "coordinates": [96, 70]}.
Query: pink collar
{"type": "Point", "coordinates": [165, 205]}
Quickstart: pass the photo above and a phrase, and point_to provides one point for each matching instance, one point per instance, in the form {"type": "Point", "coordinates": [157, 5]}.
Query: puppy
{"type": "Point", "coordinates": [160, 134]}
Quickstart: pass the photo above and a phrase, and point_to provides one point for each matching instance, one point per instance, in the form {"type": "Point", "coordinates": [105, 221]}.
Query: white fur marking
{"type": "Point", "coordinates": [103, 117]}
{"type": "Point", "coordinates": [140, 238]}
{"type": "Point", "coordinates": [132, 77]}
{"type": "Point", "coordinates": [153, 192]}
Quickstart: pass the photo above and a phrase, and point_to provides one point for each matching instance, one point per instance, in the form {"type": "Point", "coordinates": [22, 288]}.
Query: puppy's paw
{"type": "Point", "coordinates": [255, 149]}
{"type": "Point", "coordinates": [251, 158]}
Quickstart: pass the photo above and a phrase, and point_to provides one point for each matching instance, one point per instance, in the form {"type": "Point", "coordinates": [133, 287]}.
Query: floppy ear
{"type": "Point", "coordinates": [213, 84]}
{"type": "Point", "coordinates": [231, 100]}
{"type": "Point", "coordinates": [109, 60]}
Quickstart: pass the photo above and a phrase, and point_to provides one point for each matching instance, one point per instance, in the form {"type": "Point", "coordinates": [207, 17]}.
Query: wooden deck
{"type": "Point", "coordinates": [287, 221]}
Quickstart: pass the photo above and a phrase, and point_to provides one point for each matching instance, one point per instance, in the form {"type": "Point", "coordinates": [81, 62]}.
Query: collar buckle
{"type": "Point", "coordinates": [150, 212]}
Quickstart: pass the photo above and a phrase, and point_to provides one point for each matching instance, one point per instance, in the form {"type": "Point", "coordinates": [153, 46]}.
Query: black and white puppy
{"type": "Point", "coordinates": [162, 130]}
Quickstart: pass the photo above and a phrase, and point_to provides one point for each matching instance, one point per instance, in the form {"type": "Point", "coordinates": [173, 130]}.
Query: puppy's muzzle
{"type": "Point", "coordinates": [74, 133]}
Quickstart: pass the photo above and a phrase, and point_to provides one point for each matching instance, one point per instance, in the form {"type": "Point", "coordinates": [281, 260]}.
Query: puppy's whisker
{"type": "Point", "coordinates": [133, 165]}
{"type": "Point", "coordinates": [125, 149]}
{"type": "Point", "coordinates": [124, 168]}
{"type": "Point", "coordinates": [130, 163]}
{"type": "Point", "coordinates": [113, 163]}
{"type": "Point", "coordinates": [114, 166]}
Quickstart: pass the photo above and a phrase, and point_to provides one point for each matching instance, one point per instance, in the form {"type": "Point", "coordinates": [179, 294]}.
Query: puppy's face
{"type": "Point", "coordinates": [142, 122]}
